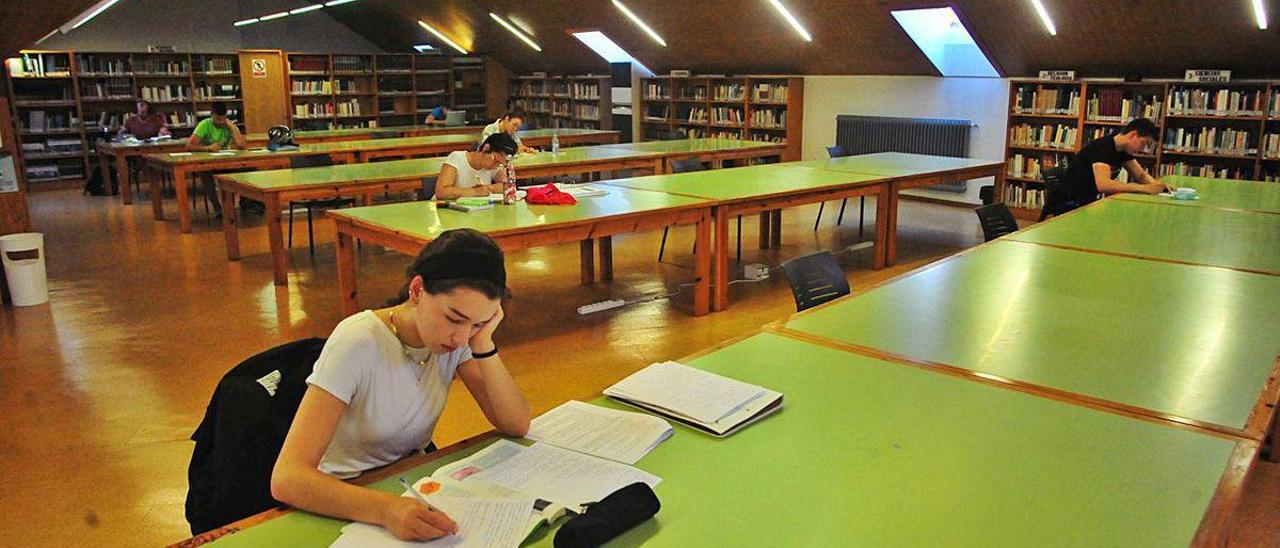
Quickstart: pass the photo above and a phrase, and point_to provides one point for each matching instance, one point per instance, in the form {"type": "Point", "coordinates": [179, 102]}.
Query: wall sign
{"type": "Point", "coordinates": [1066, 75]}
{"type": "Point", "coordinates": [1208, 76]}
{"type": "Point", "coordinates": [259, 67]}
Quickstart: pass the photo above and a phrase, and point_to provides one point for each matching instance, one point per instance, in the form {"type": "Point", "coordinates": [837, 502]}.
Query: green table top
{"type": "Point", "coordinates": [1224, 193]}
{"type": "Point", "coordinates": [1193, 342]}
{"type": "Point", "coordinates": [693, 146]}
{"type": "Point", "coordinates": [326, 133]}
{"type": "Point", "coordinates": [424, 221]}
{"type": "Point", "coordinates": [868, 453]}
{"type": "Point", "coordinates": [1199, 235]}
{"type": "Point", "coordinates": [899, 164]}
{"type": "Point", "coordinates": [745, 182]}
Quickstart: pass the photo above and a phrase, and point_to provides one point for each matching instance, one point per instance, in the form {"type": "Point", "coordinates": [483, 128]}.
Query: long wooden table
{"type": "Point", "coordinates": [407, 227]}
{"type": "Point", "coordinates": [180, 166]}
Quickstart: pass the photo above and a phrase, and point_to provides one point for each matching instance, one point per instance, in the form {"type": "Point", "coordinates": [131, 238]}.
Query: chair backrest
{"type": "Point", "coordinates": [310, 160]}
{"type": "Point", "coordinates": [815, 279]}
{"type": "Point", "coordinates": [428, 191]}
{"type": "Point", "coordinates": [384, 135]}
{"type": "Point", "coordinates": [836, 151]}
{"type": "Point", "coordinates": [1053, 181]}
{"type": "Point", "coordinates": [685, 165]}
{"type": "Point", "coordinates": [996, 221]}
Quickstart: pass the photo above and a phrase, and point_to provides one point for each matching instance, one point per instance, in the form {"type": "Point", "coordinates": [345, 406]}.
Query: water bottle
{"type": "Point", "coordinates": [509, 188]}
{"type": "Point", "coordinates": [555, 143]}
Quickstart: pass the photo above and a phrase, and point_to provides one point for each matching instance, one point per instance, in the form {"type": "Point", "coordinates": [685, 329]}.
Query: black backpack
{"type": "Point", "coordinates": [243, 429]}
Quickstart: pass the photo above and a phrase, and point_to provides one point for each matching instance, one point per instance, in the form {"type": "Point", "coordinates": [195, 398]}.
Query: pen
{"type": "Point", "coordinates": [416, 494]}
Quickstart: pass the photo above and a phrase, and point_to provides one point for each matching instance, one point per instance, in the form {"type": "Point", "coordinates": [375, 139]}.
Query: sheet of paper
{"type": "Point", "coordinates": [222, 153]}
{"type": "Point", "coordinates": [482, 523]}
{"type": "Point", "coordinates": [548, 472]}
{"type": "Point", "coordinates": [702, 396]}
{"type": "Point", "coordinates": [179, 153]}
{"type": "Point", "coordinates": [606, 433]}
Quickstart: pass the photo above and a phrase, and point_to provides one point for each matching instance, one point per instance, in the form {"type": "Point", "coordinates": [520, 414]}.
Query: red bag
{"type": "Point", "coordinates": [548, 195]}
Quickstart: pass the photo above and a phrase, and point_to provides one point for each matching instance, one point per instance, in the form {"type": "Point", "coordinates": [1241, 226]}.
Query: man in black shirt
{"type": "Point", "coordinates": [1091, 171]}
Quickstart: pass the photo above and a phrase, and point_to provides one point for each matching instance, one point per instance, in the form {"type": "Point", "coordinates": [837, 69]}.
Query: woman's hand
{"type": "Point", "coordinates": [409, 519]}
{"type": "Point", "coordinates": [482, 341]}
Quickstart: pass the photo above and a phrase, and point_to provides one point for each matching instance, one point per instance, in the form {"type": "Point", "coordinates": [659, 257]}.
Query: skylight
{"type": "Point", "coordinates": [423, 48]}
{"type": "Point", "coordinates": [945, 41]}
{"type": "Point", "coordinates": [608, 49]}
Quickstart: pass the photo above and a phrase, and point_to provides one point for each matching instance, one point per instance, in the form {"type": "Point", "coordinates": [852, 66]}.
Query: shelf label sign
{"type": "Point", "coordinates": [1058, 75]}
{"type": "Point", "coordinates": [259, 68]}
{"type": "Point", "coordinates": [1208, 76]}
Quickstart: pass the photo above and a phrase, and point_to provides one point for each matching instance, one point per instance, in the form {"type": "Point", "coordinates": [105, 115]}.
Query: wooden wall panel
{"type": "Point", "coordinates": [266, 100]}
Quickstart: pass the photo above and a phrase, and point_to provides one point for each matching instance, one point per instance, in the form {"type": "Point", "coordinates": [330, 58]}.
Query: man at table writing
{"type": "Point", "coordinates": [1091, 171]}
{"type": "Point", "coordinates": [213, 134]}
{"type": "Point", "coordinates": [144, 124]}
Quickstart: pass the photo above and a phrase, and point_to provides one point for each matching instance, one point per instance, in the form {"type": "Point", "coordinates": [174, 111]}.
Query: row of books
{"type": "Point", "coordinates": [533, 105]}
{"type": "Point", "coordinates": [1110, 105]}
{"type": "Point", "coordinates": [585, 90]}
{"type": "Point", "coordinates": [699, 133]}
{"type": "Point", "coordinates": [655, 90]}
{"type": "Point", "coordinates": [170, 92]}
{"type": "Point", "coordinates": [1209, 140]}
{"type": "Point", "coordinates": [728, 92]}
{"type": "Point", "coordinates": [768, 138]}
{"type": "Point", "coordinates": [1046, 100]}
{"type": "Point", "coordinates": [693, 93]}
{"type": "Point", "coordinates": [1024, 197]}
{"type": "Point", "coordinates": [313, 110]}
{"type": "Point", "coordinates": [561, 108]}
{"type": "Point", "coordinates": [39, 120]}
{"type": "Point", "coordinates": [1206, 170]}
{"type": "Point", "coordinates": [586, 111]}
{"type": "Point", "coordinates": [188, 119]}
{"type": "Point", "coordinates": [769, 118]}
{"type": "Point", "coordinates": [213, 64]}
{"type": "Point", "coordinates": [658, 111]}
{"type": "Point", "coordinates": [1271, 145]}
{"type": "Point", "coordinates": [351, 63]}
{"type": "Point", "coordinates": [1270, 176]}
{"type": "Point", "coordinates": [206, 92]}
{"type": "Point", "coordinates": [94, 64]}
{"type": "Point", "coordinates": [103, 89]}
{"type": "Point", "coordinates": [726, 115]}
{"type": "Point", "coordinates": [39, 64]}
{"type": "Point", "coordinates": [33, 149]}
{"type": "Point", "coordinates": [105, 121]}
{"type": "Point", "coordinates": [530, 87]}
{"type": "Point", "coordinates": [1033, 166]}
{"type": "Point", "coordinates": [1222, 102]}
{"type": "Point", "coordinates": [770, 92]}
{"type": "Point", "coordinates": [308, 64]}
{"type": "Point", "coordinates": [324, 87]}
{"type": "Point", "coordinates": [696, 115]}
{"type": "Point", "coordinates": [363, 124]}
{"type": "Point", "coordinates": [162, 66]}
{"type": "Point", "coordinates": [1274, 111]}
{"type": "Point", "coordinates": [347, 86]}
{"type": "Point", "coordinates": [1047, 135]}
{"type": "Point", "coordinates": [349, 107]}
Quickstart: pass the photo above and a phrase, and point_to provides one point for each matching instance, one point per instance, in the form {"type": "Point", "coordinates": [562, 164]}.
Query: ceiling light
{"type": "Point", "coordinates": [305, 9]}
{"type": "Point", "coordinates": [640, 23]}
{"type": "Point", "coordinates": [273, 16]}
{"type": "Point", "coordinates": [338, 2]}
{"type": "Point", "coordinates": [88, 14]}
{"type": "Point", "coordinates": [442, 37]}
{"type": "Point", "coordinates": [245, 22]}
{"type": "Point", "coordinates": [1260, 14]}
{"type": "Point", "coordinates": [777, 4]}
{"type": "Point", "coordinates": [1044, 17]}
{"type": "Point", "coordinates": [515, 31]}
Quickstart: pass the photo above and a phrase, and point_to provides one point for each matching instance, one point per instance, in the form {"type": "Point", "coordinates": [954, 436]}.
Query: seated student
{"type": "Point", "coordinates": [476, 172]}
{"type": "Point", "coordinates": [143, 123]}
{"type": "Point", "coordinates": [380, 384]}
{"type": "Point", "coordinates": [436, 115]}
{"type": "Point", "coordinates": [508, 123]}
{"type": "Point", "coordinates": [212, 134]}
{"type": "Point", "coordinates": [1090, 171]}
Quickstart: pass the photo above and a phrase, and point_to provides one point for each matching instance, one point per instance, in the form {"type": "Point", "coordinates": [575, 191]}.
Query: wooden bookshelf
{"type": "Point", "coordinates": [44, 103]}
{"type": "Point", "coordinates": [564, 101]}
{"type": "Point", "coordinates": [762, 108]}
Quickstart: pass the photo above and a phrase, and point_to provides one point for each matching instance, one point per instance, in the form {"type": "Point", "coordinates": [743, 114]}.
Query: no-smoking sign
{"type": "Point", "coordinates": [259, 67]}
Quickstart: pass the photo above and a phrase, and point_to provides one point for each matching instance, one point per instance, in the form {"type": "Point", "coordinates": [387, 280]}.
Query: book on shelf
{"type": "Point", "coordinates": [695, 115]}
{"type": "Point", "coordinates": [1222, 102]}
{"type": "Point", "coordinates": [1046, 100]}
{"type": "Point", "coordinates": [106, 89]}
{"type": "Point", "coordinates": [586, 111]}
{"type": "Point", "coordinates": [216, 92]}
{"type": "Point", "coordinates": [39, 65]}
{"type": "Point", "coordinates": [312, 63]}
{"type": "Point", "coordinates": [1274, 110]}
{"type": "Point", "coordinates": [728, 92]}
{"type": "Point", "coordinates": [1024, 197]}
{"type": "Point", "coordinates": [1209, 140]}
{"type": "Point", "coordinates": [152, 65]}
{"type": "Point", "coordinates": [313, 86]}
{"type": "Point", "coordinates": [215, 65]}
{"type": "Point", "coordinates": [769, 118]}
{"type": "Point", "coordinates": [657, 91]}
{"type": "Point", "coordinates": [98, 65]}
{"type": "Point", "coordinates": [1205, 170]}
{"type": "Point", "coordinates": [773, 93]}
{"type": "Point", "coordinates": [1044, 136]}
{"type": "Point", "coordinates": [350, 107]}
{"type": "Point", "coordinates": [1111, 105]}
{"type": "Point", "coordinates": [768, 138]}
{"type": "Point", "coordinates": [1271, 146]}
{"type": "Point", "coordinates": [170, 92]}
{"type": "Point", "coordinates": [730, 116]}
{"type": "Point", "coordinates": [586, 90]}
{"type": "Point", "coordinates": [1032, 166]}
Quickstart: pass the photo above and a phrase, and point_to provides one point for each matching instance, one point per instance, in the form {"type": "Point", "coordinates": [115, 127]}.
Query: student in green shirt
{"type": "Point", "coordinates": [215, 133]}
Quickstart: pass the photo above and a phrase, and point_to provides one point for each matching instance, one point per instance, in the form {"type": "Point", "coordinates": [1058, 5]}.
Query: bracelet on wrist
{"type": "Point", "coordinates": [483, 355]}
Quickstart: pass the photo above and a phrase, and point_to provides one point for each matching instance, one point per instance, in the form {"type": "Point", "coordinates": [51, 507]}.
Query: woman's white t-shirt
{"type": "Point", "coordinates": [468, 177]}
{"type": "Point", "coordinates": [393, 403]}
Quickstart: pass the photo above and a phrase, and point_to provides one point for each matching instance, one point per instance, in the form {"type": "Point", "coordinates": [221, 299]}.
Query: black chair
{"type": "Point", "coordinates": [684, 165]}
{"type": "Point", "coordinates": [996, 220]}
{"type": "Point", "coordinates": [837, 151]}
{"type": "Point", "coordinates": [1052, 189]}
{"type": "Point", "coordinates": [428, 190]}
{"type": "Point", "coordinates": [313, 160]}
{"type": "Point", "coordinates": [815, 279]}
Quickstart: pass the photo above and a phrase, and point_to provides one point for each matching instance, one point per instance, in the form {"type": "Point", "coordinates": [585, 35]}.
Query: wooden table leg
{"type": "Point", "coordinates": [347, 289]}
{"type": "Point", "coordinates": [702, 265]}
{"type": "Point", "coordinates": [588, 261]}
{"type": "Point", "coordinates": [720, 285]}
{"type": "Point", "coordinates": [122, 174]}
{"type": "Point", "coordinates": [765, 231]}
{"type": "Point", "coordinates": [775, 221]}
{"type": "Point", "coordinates": [155, 187]}
{"type": "Point", "coordinates": [230, 223]}
{"type": "Point", "coordinates": [886, 226]}
{"type": "Point", "coordinates": [999, 187]}
{"type": "Point", "coordinates": [275, 236]}
{"type": "Point", "coordinates": [105, 171]}
{"type": "Point", "coordinates": [606, 258]}
{"type": "Point", "coordinates": [182, 192]}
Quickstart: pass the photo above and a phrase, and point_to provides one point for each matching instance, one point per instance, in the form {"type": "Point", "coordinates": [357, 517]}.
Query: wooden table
{"type": "Point", "coordinates": [364, 133]}
{"type": "Point", "coordinates": [121, 153]}
{"type": "Point", "coordinates": [1231, 194]}
{"type": "Point", "coordinates": [179, 167]}
{"type": "Point", "coordinates": [407, 227]}
{"type": "Point", "coordinates": [871, 453]}
{"type": "Point", "coordinates": [763, 189]}
{"type": "Point", "coordinates": [913, 171]}
{"type": "Point", "coordinates": [277, 187]}
{"type": "Point", "coordinates": [535, 138]}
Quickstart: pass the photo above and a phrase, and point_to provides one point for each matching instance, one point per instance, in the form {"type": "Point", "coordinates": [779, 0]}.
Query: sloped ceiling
{"type": "Point", "coordinates": [22, 22]}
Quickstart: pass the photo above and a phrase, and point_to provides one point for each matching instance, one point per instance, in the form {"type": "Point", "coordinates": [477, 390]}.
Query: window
{"type": "Point", "coordinates": [608, 49]}
{"type": "Point", "coordinates": [945, 41]}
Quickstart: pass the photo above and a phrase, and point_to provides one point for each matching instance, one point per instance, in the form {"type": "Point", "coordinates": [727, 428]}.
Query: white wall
{"type": "Point", "coordinates": [206, 26]}
{"type": "Point", "coordinates": [981, 100]}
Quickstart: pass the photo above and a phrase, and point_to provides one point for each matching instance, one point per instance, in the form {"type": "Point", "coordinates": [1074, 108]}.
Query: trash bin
{"type": "Point", "coordinates": [23, 257]}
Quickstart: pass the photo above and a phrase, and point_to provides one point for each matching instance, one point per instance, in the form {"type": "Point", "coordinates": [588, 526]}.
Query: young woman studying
{"type": "Point", "coordinates": [476, 172]}
{"type": "Point", "coordinates": [380, 384]}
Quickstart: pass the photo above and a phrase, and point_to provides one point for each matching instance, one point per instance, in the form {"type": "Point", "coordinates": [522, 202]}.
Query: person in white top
{"type": "Point", "coordinates": [380, 384]}
{"type": "Point", "coordinates": [476, 173]}
{"type": "Point", "coordinates": [508, 123]}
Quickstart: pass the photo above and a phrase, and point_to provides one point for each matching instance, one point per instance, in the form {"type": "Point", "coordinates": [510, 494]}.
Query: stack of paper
{"type": "Point", "coordinates": [705, 401]}
{"type": "Point", "coordinates": [482, 523]}
{"type": "Point", "coordinates": [606, 433]}
{"type": "Point", "coordinates": [580, 191]}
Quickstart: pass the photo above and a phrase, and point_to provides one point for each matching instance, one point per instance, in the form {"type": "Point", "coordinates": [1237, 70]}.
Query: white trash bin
{"type": "Point", "coordinates": [23, 257]}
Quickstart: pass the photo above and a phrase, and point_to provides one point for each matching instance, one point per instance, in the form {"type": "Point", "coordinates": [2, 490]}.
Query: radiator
{"type": "Point", "coordinates": [868, 134]}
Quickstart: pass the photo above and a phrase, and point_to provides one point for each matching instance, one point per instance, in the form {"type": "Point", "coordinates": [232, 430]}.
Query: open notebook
{"type": "Point", "coordinates": [701, 400]}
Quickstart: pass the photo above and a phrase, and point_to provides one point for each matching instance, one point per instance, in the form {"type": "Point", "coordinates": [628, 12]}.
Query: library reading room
{"type": "Point", "coordinates": [624, 273]}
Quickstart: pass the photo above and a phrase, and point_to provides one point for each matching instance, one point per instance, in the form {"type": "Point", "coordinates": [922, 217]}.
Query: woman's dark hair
{"type": "Point", "coordinates": [513, 113]}
{"type": "Point", "coordinates": [500, 142]}
{"type": "Point", "coordinates": [459, 258]}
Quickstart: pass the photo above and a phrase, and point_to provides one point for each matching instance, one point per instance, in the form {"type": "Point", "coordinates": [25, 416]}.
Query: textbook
{"type": "Point", "coordinates": [701, 400]}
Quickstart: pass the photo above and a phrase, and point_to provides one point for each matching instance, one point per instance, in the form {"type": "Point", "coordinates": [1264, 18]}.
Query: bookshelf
{"type": "Point", "coordinates": [395, 91]}
{"type": "Point", "coordinates": [45, 107]}
{"type": "Point", "coordinates": [1210, 130]}
{"type": "Point", "coordinates": [564, 101]}
{"type": "Point", "coordinates": [469, 84]}
{"type": "Point", "coordinates": [432, 82]}
{"type": "Point", "coordinates": [760, 108]}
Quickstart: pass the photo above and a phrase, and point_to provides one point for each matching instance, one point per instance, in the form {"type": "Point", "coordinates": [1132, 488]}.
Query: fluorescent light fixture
{"type": "Point", "coordinates": [795, 24]}
{"type": "Point", "coordinates": [640, 23]}
{"type": "Point", "coordinates": [245, 22]}
{"type": "Point", "coordinates": [1048, 23]}
{"type": "Point", "coordinates": [939, 33]}
{"type": "Point", "coordinates": [1260, 14]}
{"type": "Point", "coordinates": [274, 16]}
{"type": "Point", "coordinates": [304, 9]}
{"type": "Point", "coordinates": [47, 36]}
{"type": "Point", "coordinates": [423, 48]}
{"type": "Point", "coordinates": [442, 37]}
{"type": "Point", "coordinates": [88, 14]}
{"type": "Point", "coordinates": [338, 2]}
{"type": "Point", "coordinates": [607, 48]}
{"type": "Point", "coordinates": [515, 31]}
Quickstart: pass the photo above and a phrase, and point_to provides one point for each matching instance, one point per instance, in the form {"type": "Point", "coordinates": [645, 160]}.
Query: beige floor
{"type": "Point", "coordinates": [100, 389]}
